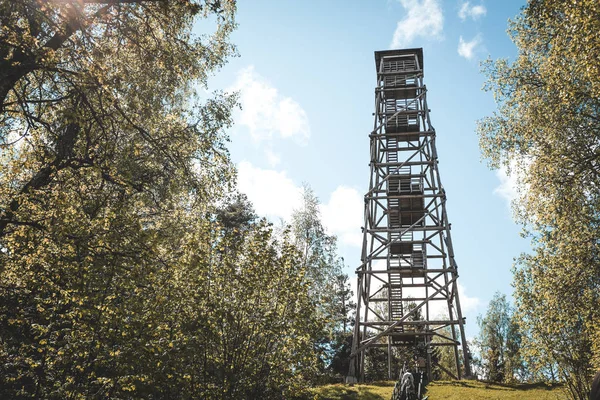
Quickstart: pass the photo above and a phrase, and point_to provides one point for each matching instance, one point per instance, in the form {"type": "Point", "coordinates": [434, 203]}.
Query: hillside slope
{"type": "Point", "coordinates": [473, 390]}
{"type": "Point", "coordinates": [447, 390]}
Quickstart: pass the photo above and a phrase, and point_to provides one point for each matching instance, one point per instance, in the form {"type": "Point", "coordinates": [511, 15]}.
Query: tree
{"type": "Point", "coordinates": [343, 313]}
{"type": "Point", "coordinates": [100, 87]}
{"type": "Point", "coordinates": [443, 357]}
{"type": "Point", "coordinates": [236, 213]}
{"type": "Point", "coordinates": [546, 131]}
{"type": "Point", "coordinates": [104, 162]}
{"type": "Point", "coordinates": [376, 363]}
{"type": "Point", "coordinates": [328, 285]}
{"type": "Point", "coordinates": [318, 249]}
{"type": "Point", "coordinates": [499, 342]}
{"type": "Point", "coordinates": [516, 366]}
{"type": "Point", "coordinates": [252, 313]}
{"type": "Point", "coordinates": [128, 270]}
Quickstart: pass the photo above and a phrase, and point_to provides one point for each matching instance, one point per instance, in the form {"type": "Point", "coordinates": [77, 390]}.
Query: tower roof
{"type": "Point", "coordinates": [386, 53]}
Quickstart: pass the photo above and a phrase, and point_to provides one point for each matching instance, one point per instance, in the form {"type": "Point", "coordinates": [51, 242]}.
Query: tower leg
{"type": "Point", "coordinates": [389, 349]}
{"type": "Point", "coordinates": [465, 347]}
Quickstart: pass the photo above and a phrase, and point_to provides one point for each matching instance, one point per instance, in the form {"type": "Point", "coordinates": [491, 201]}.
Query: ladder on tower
{"type": "Point", "coordinates": [396, 309]}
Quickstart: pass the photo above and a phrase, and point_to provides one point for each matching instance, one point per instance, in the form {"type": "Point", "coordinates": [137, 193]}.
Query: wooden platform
{"type": "Point", "coordinates": [409, 338]}
{"type": "Point", "coordinates": [410, 272]}
{"type": "Point", "coordinates": [379, 55]}
{"type": "Point", "coordinates": [399, 90]}
{"type": "Point", "coordinates": [395, 126]}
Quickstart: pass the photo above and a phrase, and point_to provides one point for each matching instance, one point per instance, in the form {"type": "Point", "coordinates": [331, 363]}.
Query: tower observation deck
{"type": "Point", "coordinates": [407, 281]}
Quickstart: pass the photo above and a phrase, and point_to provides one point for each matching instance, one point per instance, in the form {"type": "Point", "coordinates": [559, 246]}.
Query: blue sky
{"type": "Point", "coordinates": [306, 78]}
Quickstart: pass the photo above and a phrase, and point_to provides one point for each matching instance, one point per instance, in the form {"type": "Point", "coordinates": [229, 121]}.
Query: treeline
{"type": "Point", "coordinates": [129, 267]}
{"type": "Point", "coordinates": [498, 356]}
{"type": "Point", "coordinates": [230, 310]}
{"type": "Point", "coordinates": [501, 352]}
{"type": "Point", "coordinates": [546, 132]}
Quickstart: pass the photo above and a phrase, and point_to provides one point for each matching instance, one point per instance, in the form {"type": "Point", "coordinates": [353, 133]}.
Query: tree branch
{"type": "Point", "coordinates": [44, 176]}
{"type": "Point", "coordinates": [23, 63]}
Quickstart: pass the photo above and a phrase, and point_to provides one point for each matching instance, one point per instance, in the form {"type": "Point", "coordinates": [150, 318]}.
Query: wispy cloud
{"type": "Point", "coordinates": [507, 189]}
{"type": "Point", "coordinates": [343, 215]}
{"type": "Point", "coordinates": [475, 12]}
{"type": "Point", "coordinates": [272, 158]}
{"type": "Point", "coordinates": [272, 192]}
{"type": "Point", "coordinates": [513, 185]}
{"type": "Point", "coordinates": [424, 19]}
{"type": "Point", "coordinates": [265, 112]}
{"type": "Point", "coordinates": [468, 49]}
{"type": "Point", "coordinates": [467, 303]}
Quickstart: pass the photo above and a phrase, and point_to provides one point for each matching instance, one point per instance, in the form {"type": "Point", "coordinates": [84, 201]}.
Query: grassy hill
{"type": "Point", "coordinates": [450, 390]}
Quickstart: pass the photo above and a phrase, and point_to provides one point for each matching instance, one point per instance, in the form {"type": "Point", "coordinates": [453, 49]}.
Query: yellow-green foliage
{"type": "Point", "coordinates": [117, 279]}
{"type": "Point", "coordinates": [451, 390]}
{"type": "Point", "coordinates": [546, 132]}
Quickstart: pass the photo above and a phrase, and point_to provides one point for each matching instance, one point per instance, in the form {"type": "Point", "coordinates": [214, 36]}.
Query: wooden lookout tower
{"type": "Point", "coordinates": [407, 283]}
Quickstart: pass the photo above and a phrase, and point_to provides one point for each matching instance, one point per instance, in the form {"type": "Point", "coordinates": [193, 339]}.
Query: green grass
{"type": "Point", "coordinates": [373, 391]}
{"type": "Point", "coordinates": [450, 390]}
{"type": "Point", "coordinates": [473, 390]}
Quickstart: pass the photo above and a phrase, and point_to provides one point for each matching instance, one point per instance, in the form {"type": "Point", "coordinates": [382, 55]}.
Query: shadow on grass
{"type": "Point", "coordinates": [341, 392]}
{"type": "Point", "coordinates": [529, 386]}
{"type": "Point", "coordinates": [497, 386]}
{"type": "Point", "coordinates": [336, 393]}
{"type": "Point", "coordinates": [382, 383]}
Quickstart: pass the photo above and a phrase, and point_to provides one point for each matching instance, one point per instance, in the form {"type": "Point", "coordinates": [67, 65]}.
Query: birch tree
{"type": "Point", "coordinates": [546, 131]}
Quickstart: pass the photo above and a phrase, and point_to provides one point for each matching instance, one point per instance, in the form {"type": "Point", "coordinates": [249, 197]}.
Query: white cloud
{"type": "Point", "coordinates": [423, 19]}
{"type": "Point", "coordinates": [507, 189]}
{"type": "Point", "coordinates": [343, 215]}
{"type": "Point", "coordinates": [467, 49]}
{"type": "Point", "coordinates": [467, 304]}
{"type": "Point", "coordinates": [439, 308]}
{"type": "Point", "coordinates": [272, 193]}
{"type": "Point", "coordinates": [513, 185]}
{"type": "Point", "coordinates": [272, 158]}
{"type": "Point", "coordinates": [275, 195]}
{"type": "Point", "coordinates": [265, 112]}
{"type": "Point", "coordinates": [466, 10]}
